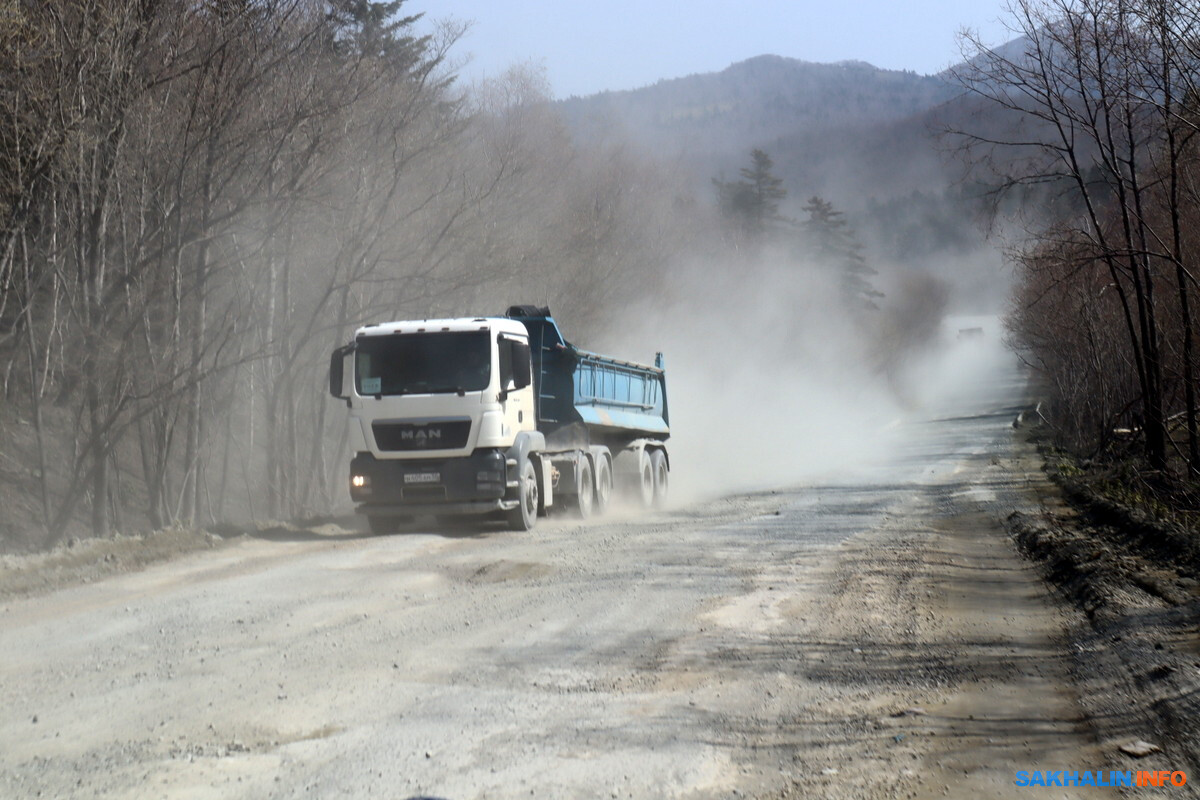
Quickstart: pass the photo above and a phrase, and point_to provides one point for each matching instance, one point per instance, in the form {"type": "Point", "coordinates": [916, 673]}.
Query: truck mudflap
{"type": "Point", "coordinates": [386, 487]}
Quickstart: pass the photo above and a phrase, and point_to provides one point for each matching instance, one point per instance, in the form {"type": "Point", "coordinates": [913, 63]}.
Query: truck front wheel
{"type": "Point", "coordinates": [524, 515]}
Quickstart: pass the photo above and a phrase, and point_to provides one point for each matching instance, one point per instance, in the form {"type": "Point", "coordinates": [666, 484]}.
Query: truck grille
{"type": "Point", "coordinates": [409, 436]}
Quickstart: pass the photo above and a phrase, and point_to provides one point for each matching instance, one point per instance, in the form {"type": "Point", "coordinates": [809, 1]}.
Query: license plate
{"type": "Point", "coordinates": [423, 477]}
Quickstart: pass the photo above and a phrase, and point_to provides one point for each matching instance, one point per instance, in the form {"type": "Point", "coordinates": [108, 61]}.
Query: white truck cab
{"type": "Point", "coordinates": [436, 406]}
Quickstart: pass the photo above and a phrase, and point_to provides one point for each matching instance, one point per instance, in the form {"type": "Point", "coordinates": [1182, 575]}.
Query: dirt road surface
{"type": "Point", "coordinates": [874, 635]}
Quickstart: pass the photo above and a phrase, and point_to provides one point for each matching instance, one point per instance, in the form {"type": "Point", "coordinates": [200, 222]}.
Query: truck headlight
{"type": "Point", "coordinates": [491, 480]}
{"type": "Point", "coordinates": [359, 481]}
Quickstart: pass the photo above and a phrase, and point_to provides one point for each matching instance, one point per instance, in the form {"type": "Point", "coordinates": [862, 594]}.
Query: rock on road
{"type": "Point", "coordinates": [871, 636]}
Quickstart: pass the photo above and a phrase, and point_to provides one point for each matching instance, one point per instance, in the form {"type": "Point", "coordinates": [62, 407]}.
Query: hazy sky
{"type": "Point", "coordinates": [588, 47]}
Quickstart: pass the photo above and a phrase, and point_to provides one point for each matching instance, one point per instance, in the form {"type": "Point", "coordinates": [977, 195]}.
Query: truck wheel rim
{"type": "Point", "coordinates": [531, 495]}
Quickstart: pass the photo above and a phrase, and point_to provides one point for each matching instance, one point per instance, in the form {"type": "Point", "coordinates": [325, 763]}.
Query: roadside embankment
{"type": "Point", "coordinates": [1135, 578]}
{"type": "Point", "coordinates": [81, 561]}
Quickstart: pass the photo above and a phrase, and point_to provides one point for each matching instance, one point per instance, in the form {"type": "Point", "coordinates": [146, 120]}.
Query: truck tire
{"type": "Point", "coordinates": [604, 484]}
{"type": "Point", "coordinates": [381, 526]}
{"type": "Point", "coordinates": [585, 497]}
{"type": "Point", "coordinates": [644, 488]}
{"type": "Point", "coordinates": [523, 517]}
{"type": "Point", "coordinates": [658, 466]}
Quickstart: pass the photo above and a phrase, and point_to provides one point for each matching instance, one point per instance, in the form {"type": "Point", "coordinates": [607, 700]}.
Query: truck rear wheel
{"type": "Point", "coordinates": [523, 517]}
{"type": "Point", "coordinates": [658, 465]}
{"type": "Point", "coordinates": [604, 484]}
{"type": "Point", "coordinates": [645, 484]}
{"type": "Point", "coordinates": [585, 496]}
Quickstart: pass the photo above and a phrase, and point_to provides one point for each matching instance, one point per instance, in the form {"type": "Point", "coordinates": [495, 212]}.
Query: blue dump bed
{"type": "Point", "coordinates": [606, 395]}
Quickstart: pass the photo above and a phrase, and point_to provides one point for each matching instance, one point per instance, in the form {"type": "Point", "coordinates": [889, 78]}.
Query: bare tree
{"type": "Point", "coordinates": [200, 200]}
{"type": "Point", "coordinates": [1093, 101]}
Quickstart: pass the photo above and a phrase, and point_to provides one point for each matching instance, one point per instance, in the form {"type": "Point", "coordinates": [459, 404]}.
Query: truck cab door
{"type": "Point", "coordinates": [516, 384]}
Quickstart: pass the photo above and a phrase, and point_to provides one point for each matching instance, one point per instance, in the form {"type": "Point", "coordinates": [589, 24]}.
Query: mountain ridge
{"type": "Point", "coordinates": [753, 62]}
{"type": "Point", "coordinates": [708, 122]}
{"type": "Point", "coordinates": [862, 137]}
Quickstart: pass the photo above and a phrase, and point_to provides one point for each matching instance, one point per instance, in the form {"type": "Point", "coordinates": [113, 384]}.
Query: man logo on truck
{"type": "Point", "coordinates": [432, 433]}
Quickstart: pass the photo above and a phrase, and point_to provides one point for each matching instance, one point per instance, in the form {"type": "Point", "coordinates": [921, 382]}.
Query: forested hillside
{"type": "Point", "coordinates": [199, 201]}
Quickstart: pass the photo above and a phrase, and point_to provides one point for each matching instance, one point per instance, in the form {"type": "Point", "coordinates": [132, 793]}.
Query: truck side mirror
{"type": "Point", "coordinates": [522, 370]}
{"type": "Point", "coordinates": [337, 363]}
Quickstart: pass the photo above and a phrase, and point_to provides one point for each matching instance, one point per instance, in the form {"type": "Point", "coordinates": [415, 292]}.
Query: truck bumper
{"type": "Point", "coordinates": [475, 484]}
{"type": "Point", "coordinates": [449, 509]}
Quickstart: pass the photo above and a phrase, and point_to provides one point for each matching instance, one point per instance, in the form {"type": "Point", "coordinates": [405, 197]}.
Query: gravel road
{"type": "Point", "coordinates": [870, 635]}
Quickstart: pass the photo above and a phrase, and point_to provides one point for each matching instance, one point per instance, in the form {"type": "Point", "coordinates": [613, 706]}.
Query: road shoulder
{"type": "Point", "coordinates": [1136, 639]}
{"type": "Point", "coordinates": [951, 663]}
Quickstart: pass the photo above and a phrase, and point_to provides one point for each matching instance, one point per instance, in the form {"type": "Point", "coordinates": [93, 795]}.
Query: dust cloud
{"type": "Point", "coordinates": [963, 371]}
{"type": "Point", "coordinates": [772, 383]}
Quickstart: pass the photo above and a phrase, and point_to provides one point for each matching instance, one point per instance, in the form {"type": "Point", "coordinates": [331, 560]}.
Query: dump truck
{"type": "Point", "coordinates": [496, 416]}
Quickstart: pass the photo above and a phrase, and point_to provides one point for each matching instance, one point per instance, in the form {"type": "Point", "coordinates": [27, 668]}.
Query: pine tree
{"type": "Point", "coordinates": [765, 190]}
{"type": "Point", "coordinates": [833, 242]}
{"type": "Point", "coordinates": [375, 29]}
{"type": "Point", "coordinates": [753, 202]}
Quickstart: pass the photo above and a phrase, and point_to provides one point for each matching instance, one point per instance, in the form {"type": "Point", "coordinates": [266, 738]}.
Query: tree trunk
{"type": "Point", "coordinates": [193, 456]}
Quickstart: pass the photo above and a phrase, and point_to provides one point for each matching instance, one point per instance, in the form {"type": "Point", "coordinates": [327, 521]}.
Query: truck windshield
{"type": "Point", "coordinates": [423, 363]}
